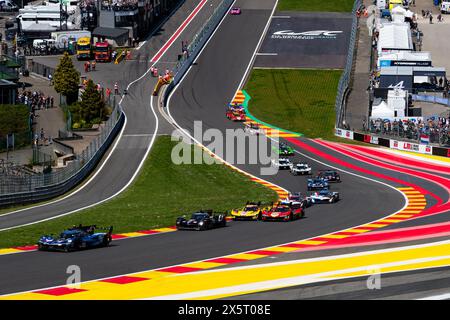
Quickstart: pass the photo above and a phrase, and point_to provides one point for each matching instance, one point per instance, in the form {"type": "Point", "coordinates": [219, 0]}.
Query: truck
{"type": "Point", "coordinates": [445, 6]}
{"type": "Point", "coordinates": [84, 49]}
{"type": "Point", "coordinates": [102, 51]}
{"type": "Point", "coordinates": [62, 38]}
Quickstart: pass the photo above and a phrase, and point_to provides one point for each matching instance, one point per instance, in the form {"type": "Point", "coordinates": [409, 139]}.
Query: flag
{"type": "Point", "coordinates": [424, 139]}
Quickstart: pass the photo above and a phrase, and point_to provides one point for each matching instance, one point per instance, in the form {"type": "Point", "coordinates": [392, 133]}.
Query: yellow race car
{"type": "Point", "coordinates": [251, 211]}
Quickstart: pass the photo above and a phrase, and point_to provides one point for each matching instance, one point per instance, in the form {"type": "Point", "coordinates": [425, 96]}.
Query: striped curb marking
{"type": "Point", "coordinates": [416, 203]}
{"type": "Point", "coordinates": [242, 97]}
{"type": "Point", "coordinates": [114, 237]}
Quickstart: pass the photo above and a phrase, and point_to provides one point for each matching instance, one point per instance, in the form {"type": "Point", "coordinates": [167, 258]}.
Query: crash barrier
{"type": "Point", "coordinates": [199, 40]}
{"type": "Point", "coordinates": [344, 81]}
{"type": "Point", "coordinates": [393, 143]}
{"type": "Point", "coordinates": [431, 99]}
{"type": "Point", "coordinates": [21, 188]}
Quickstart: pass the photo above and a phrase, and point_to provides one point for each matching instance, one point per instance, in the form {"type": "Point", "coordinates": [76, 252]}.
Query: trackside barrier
{"type": "Point", "coordinates": [345, 79]}
{"type": "Point", "coordinates": [200, 39]}
{"type": "Point", "coordinates": [120, 57]}
{"type": "Point", "coordinates": [52, 185]}
{"type": "Point", "coordinates": [392, 143]}
{"type": "Point", "coordinates": [38, 187]}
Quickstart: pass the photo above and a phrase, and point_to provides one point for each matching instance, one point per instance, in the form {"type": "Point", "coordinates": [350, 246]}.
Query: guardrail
{"type": "Point", "coordinates": [199, 40]}
{"type": "Point", "coordinates": [345, 79]}
{"type": "Point", "coordinates": [23, 189]}
{"type": "Point", "coordinates": [31, 188]}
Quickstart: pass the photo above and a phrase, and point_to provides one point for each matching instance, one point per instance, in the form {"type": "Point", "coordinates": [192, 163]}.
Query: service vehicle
{"type": "Point", "coordinates": [102, 51]}
{"type": "Point", "coordinates": [84, 48]}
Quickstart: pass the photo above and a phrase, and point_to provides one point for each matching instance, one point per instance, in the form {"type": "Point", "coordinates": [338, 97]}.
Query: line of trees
{"type": "Point", "coordinates": [90, 108]}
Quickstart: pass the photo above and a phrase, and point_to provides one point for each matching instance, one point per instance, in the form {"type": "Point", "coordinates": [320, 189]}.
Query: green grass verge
{"type": "Point", "coordinates": [297, 100]}
{"type": "Point", "coordinates": [162, 192]}
{"type": "Point", "coordinates": [316, 5]}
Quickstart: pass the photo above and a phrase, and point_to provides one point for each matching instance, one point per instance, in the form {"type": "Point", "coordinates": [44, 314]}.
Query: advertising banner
{"type": "Point", "coordinates": [408, 146]}
{"type": "Point", "coordinates": [347, 134]}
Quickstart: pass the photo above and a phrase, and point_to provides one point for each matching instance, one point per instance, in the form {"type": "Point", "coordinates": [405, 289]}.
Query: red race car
{"type": "Point", "coordinates": [284, 212]}
{"type": "Point", "coordinates": [235, 114]}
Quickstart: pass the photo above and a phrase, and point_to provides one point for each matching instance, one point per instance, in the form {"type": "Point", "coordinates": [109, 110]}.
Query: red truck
{"type": "Point", "coordinates": [102, 51]}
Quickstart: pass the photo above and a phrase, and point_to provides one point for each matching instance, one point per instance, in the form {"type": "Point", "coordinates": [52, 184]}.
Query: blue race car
{"type": "Point", "coordinates": [317, 183]}
{"type": "Point", "coordinates": [76, 238]}
{"type": "Point", "coordinates": [325, 196]}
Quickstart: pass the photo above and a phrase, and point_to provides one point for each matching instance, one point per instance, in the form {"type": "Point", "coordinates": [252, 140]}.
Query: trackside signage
{"type": "Point", "coordinates": [408, 146]}
{"type": "Point", "coordinates": [347, 134]}
{"type": "Point", "coordinates": [306, 35]}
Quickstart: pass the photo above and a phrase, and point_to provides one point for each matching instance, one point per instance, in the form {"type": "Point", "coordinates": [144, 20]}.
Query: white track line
{"type": "Point", "coordinates": [168, 109]}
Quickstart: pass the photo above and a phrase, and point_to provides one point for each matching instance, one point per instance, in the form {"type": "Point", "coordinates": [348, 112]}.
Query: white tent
{"type": "Point", "coordinates": [394, 37]}
{"type": "Point", "coordinates": [382, 111]}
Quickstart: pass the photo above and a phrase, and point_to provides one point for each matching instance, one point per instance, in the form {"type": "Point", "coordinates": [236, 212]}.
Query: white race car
{"type": "Point", "coordinates": [324, 196]}
{"type": "Point", "coordinates": [282, 163]}
{"type": "Point", "coordinates": [252, 128]}
{"type": "Point", "coordinates": [300, 168]}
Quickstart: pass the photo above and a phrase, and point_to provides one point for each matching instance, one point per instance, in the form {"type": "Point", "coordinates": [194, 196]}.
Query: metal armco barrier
{"type": "Point", "coordinates": [200, 38]}
{"type": "Point", "coordinates": [55, 184]}
{"type": "Point", "coordinates": [344, 81]}
{"type": "Point", "coordinates": [38, 187]}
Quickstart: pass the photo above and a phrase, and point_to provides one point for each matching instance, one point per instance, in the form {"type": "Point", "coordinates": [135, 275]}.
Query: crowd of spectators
{"type": "Point", "coordinates": [36, 100]}
{"type": "Point", "coordinates": [122, 5]}
{"type": "Point", "coordinates": [436, 129]}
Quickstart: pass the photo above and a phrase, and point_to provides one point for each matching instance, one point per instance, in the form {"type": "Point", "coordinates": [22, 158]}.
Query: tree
{"type": "Point", "coordinates": [67, 79]}
{"type": "Point", "coordinates": [91, 108]}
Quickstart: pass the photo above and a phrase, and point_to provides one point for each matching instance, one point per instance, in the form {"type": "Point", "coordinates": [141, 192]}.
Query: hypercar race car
{"type": "Point", "coordinates": [283, 150]}
{"type": "Point", "coordinates": [251, 211]}
{"type": "Point", "coordinates": [298, 197]}
{"type": "Point", "coordinates": [284, 212]}
{"type": "Point", "coordinates": [202, 220]}
{"type": "Point", "coordinates": [76, 238]}
{"type": "Point", "coordinates": [325, 196]}
{"type": "Point", "coordinates": [235, 11]}
{"type": "Point", "coordinates": [317, 183]}
{"type": "Point", "coordinates": [252, 128]}
{"type": "Point", "coordinates": [329, 175]}
{"type": "Point", "coordinates": [300, 169]}
{"type": "Point", "coordinates": [282, 163]}
{"type": "Point", "coordinates": [235, 113]}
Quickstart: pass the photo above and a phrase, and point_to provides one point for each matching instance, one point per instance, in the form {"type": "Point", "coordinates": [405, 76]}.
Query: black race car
{"type": "Point", "coordinates": [329, 175]}
{"type": "Point", "coordinates": [202, 220]}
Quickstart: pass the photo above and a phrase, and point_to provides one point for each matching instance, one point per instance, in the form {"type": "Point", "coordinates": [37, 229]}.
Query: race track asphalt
{"type": "Point", "coordinates": [203, 95]}
{"type": "Point", "coordinates": [141, 122]}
